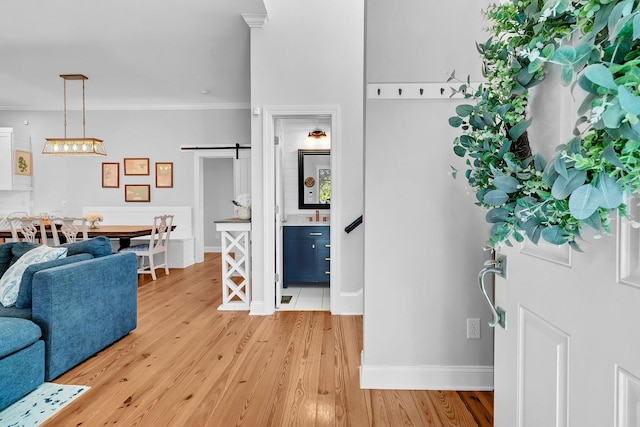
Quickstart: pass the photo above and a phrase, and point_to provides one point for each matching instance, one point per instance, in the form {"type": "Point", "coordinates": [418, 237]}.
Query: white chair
{"type": "Point", "coordinates": [69, 227]}
{"type": "Point", "coordinates": [4, 221]}
{"type": "Point", "coordinates": [26, 228]}
{"type": "Point", "coordinates": [158, 245]}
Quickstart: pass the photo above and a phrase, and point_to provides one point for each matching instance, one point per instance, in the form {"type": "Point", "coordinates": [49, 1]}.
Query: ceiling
{"type": "Point", "coordinates": [136, 53]}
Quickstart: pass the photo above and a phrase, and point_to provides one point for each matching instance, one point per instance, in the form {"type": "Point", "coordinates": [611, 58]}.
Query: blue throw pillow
{"type": "Point", "coordinates": [20, 248]}
{"type": "Point", "coordinates": [98, 247]}
{"type": "Point", "coordinates": [5, 256]}
{"type": "Point", "coordinates": [26, 289]}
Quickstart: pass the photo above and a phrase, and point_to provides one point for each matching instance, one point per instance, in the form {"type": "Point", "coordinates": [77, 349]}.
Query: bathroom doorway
{"type": "Point", "coordinates": [277, 124]}
{"type": "Point", "coordinates": [303, 194]}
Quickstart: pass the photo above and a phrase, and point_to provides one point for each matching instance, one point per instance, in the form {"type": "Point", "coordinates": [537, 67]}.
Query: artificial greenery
{"type": "Point", "coordinates": [596, 45]}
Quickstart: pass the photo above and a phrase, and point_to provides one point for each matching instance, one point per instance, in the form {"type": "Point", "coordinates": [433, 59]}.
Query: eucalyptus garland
{"type": "Point", "coordinates": [596, 45]}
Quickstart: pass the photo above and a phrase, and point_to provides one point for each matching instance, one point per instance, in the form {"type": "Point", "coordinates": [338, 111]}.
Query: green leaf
{"type": "Point", "coordinates": [496, 198]}
{"type": "Point", "coordinates": [477, 122]}
{"type": "Point", "coordinates": [618, 18]}
{"type": "Point", "coordinates": [464, 110]}
{"type": "Point", "coordinates": [460, 151]}
{"type": "Point", "coordinates": [594, 221]}
{"type": "Point", "coordinates": [565, 55]}
{"type": "Point", "coordinates": [566, 75]}
{"type": "Point", "coordinates": [561, 167]}
{"type": "Point", "coordinates": [613, 115]}
{"type": "Point", "coordinates": [555, 235]}
{"type": "Point", "coordinates": [600, 75]}
{"type": "Point", "coordinates": [506, 183]}
{"type": "Point", "coordinates": [455, 121]}
{"type": "Point", "coordinates": [497, 215]}
{"type": "Point", "coordinates": [583, 52]}
{"type": "Point", "coordinates": [584, 201]}
{"type": "Point", "coordinates": [612, 193]}
{"type": "Point", "coordinates": [516, 131]}
{"type": "Point", "coordinates": [628, 101]}
{"type": "Point", "coordinates": [562, 187]}
{"type": "Point", "coordinates": [539, 162]}
{"type": "Point", "coordinates": [636, 26]}
{"type": "Point", "coordinates": [610, 155]}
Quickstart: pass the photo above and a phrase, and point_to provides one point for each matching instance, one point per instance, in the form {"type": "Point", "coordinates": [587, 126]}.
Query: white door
{"type": "Point", "coordinates": [570, 353]}
{"type": "Point", "coordinates": [279, 198]}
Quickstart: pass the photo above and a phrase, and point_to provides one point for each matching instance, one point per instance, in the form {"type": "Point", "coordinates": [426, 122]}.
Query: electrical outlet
{"type": "Point", "coordinates": [473, 329]}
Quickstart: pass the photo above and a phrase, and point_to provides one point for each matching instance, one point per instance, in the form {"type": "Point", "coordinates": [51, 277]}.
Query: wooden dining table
{"type": "Point", "coordinates": [124, 233]}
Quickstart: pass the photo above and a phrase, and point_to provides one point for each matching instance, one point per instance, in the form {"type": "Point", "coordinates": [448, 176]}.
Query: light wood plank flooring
{"type": "Point", "coordinates": [188, 364]}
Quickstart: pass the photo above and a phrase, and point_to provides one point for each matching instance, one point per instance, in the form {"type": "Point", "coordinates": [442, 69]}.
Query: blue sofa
{"type": "Point", "coordinates": [81, 303]}
{"type": "Point", "coordinates": [21, 359]}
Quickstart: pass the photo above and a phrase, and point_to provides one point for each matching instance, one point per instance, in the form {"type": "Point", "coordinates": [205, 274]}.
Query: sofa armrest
{"type": "Point", "coordinates": [84, 307]}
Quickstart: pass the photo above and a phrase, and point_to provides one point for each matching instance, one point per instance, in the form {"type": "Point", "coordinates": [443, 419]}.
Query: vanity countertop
{"type": "Point", "coordinates": [308, 224]}
{"type": "Point", "coordinates": [303, 220]}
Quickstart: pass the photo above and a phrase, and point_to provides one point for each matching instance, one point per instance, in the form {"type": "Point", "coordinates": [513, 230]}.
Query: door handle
{"type": "Point", "coordinates": [499, 267]}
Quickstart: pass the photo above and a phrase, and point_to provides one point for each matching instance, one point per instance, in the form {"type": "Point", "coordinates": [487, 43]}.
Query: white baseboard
{"type": "Point", "coordinates": [208, 249]}
{"type": "Point", "coordinates": [349, 303]}
{"type": "Point", "coordinates": [257, 308]}
{"type": "Point", "coordinates": [426, 377]}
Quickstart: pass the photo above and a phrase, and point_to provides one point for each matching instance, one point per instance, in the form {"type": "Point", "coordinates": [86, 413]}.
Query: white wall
{"type": "Point", "coordinates": [153, 134]}
{"type": "Point", "coordinates": [310, 54]}
{"type": "Point", "coordinates": [218, 194]}
{"type": "Point", "coordinates": [423, 233]}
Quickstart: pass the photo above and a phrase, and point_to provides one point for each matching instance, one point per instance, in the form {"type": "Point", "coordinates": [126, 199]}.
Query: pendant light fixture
{"type": "Point", "coordinates": [74, 146]}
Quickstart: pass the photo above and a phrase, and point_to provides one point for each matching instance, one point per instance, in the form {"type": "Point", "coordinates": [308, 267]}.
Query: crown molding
{"type": "Point", "coordinates": [255, 20]}
{"type": "Point", "coordinates": [138, 107]}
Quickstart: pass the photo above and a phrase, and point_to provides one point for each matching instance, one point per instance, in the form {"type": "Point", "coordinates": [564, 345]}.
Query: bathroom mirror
{"type": "Point", "coordinates": [314, 179]}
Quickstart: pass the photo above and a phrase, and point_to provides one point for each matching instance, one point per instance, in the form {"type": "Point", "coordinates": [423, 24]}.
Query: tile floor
{"type": "Point", "coordinates": [306, 298]}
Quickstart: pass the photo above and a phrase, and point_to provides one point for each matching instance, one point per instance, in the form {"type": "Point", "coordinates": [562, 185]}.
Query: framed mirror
{"type": "Point", "coordinates": [314, 179]}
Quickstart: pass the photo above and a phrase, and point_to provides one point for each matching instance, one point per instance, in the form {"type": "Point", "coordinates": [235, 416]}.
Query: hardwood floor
{"type": "Point", "coordinates": [188, 364]}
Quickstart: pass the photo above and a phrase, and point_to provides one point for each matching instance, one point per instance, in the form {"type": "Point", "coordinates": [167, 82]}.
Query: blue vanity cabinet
{"type": "Point", "coordinates": [306, 254]}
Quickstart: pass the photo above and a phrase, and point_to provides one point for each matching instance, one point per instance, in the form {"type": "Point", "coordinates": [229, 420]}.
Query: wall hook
{"type": "Point", "coordinates": [421, 91]}
{"type": "Point", "coordinates": [378, 91]}
{"type": "Point", "coordinates": [400, 91]}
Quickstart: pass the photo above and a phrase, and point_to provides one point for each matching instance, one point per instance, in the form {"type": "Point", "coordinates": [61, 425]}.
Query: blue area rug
{"type": "Point", "coordinates": [40, 404]}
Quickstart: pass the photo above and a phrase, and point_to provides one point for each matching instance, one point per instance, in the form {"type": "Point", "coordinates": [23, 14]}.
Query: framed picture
{"type": "Point", "coordinates": [110, 175]}
{"type": "Point", "coordinates": [136, 166]}
{"type": "Point", "coordinates": [164, 174]}
{"type": "Point", "coordinates": [24, 163]}
{"type": "Point", "coordinates": [137, 193]}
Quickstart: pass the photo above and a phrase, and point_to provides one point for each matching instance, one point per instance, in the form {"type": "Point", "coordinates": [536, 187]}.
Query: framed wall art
{"type": "Point", "coordinates": [110, 175]}
{"type": "Point", "coordinates": [164, 174]}
{"type": "Point", "coordinates": [24, 163]}
{"type": "Point", "coordinates": [136, 166]}
{"type": "Point", "coordinates": [137, 193]}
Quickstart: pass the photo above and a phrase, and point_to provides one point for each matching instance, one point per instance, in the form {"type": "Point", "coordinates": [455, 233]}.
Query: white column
{"type": "Point", "coordinates": [236, 264]}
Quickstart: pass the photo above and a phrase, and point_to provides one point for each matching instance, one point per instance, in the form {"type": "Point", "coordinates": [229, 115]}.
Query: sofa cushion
{"type": "Point", "coordinates": [16, 334]}
{"type": "Point", "coordinates": [25, 291]}
{"type": "Point", "coordinates": [10, 281]}
{"type": "Point", "coordinates": [98, 247]}
{"type": "Point", "coordinates": [5, 256]}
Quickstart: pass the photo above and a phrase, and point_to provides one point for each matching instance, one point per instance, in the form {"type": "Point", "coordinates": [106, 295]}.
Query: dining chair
{"type": "Point", "coordinates": [69, 227]}
{"type": "Point", "coordinates": [26, 228]}
{"type": "Point", "coordinates": [158, 246]}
